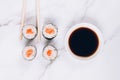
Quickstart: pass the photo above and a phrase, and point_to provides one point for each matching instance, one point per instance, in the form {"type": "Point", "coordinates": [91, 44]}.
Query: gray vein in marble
{"type": "Point", "coordinates": [114, 35]}
{"type": "Point", "coordinates": [43, 74]}
{"type": "Point", "coordinates": [16, 20]}
{"type": "Point", "coordinates": [12, 20]}
{"type": "Point", "coordinates": [88, 4]}
{"type": "Point", "coordinates": [47, 67]}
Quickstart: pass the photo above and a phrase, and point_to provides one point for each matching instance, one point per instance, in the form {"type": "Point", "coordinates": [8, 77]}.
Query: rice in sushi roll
{"type": "Point", "coordinates": [29, 52]}
{"type": "Point", "coordinates": [50, 52]}
{"type": "Point", "coordinates": [49, 31]}
{"type": "Point", "coordinates": [29, 32]}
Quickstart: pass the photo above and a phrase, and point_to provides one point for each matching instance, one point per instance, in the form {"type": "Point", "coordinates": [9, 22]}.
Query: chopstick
{"type": "Point", "coordinates": [23, 18]}
{"type": "Point", "coordinates": [38, 18]}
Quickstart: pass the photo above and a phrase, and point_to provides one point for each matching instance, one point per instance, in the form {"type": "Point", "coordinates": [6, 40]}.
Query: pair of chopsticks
{"type": "Point", "coordinates": [37, 17]}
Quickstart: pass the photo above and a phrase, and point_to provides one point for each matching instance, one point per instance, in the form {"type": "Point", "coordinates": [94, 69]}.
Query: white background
{"type": "Point", "coordinates": [105, 14]}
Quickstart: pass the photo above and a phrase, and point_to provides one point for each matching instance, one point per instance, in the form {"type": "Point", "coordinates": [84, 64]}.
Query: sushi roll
{"type": "Point", "coordinates": [29, 32]}
{"type": "Point", "coordinates": [49, 31]}
{"type": "Point", "coordinates": [29, 52]}
{"type": "Point", "coordinates": [50, 52]}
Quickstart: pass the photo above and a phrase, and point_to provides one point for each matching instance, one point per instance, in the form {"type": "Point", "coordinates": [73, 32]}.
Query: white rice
{"type": "Point", "coordinates": [53, 55]}
{"type": "Point", "coordinates": [32, 56]}
{"type": "Point", "coordinates": [29, 36]}
{"type": "Point", "coordinates": [49, 36]}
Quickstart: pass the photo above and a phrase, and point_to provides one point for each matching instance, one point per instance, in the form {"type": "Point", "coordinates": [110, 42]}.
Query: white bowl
{"type": "Point", "coordinates": [93, 28]}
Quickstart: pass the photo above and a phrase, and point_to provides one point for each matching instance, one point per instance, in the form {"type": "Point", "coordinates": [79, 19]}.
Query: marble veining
{"type": "Point", "coordinates": [105, 66]}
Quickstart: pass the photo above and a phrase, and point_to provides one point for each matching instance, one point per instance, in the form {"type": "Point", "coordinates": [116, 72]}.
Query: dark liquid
{"type": "Point", "coordinates": [83, 42]}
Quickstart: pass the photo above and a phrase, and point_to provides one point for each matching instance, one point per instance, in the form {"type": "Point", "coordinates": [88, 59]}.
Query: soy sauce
{"type": "Point", "coordinates": [83, 42]}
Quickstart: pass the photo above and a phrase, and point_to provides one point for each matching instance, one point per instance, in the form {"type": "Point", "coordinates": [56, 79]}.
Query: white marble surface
{"type": "Point", "coordinates": [105, 14]}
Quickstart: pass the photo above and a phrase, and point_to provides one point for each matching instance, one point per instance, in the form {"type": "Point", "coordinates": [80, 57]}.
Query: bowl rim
{"type": "Point", "coordinates": [89, 26]}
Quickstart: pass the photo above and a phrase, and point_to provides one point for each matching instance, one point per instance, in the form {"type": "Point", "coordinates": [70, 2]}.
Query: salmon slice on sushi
{"type": "Point", "coordinates": [50, 52]}
{"type": "Point", "coordinates": [29, 32]}
{"type": "Point", "coordinates": [29, 52]}
{"type": "Point", "coordinates": [49, 31]}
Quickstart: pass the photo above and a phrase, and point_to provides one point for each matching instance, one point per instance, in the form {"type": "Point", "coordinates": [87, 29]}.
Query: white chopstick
{"type": "Point", "coordinates": [23, 17]}
{"type": "Point", "coordinates": [38, 18]}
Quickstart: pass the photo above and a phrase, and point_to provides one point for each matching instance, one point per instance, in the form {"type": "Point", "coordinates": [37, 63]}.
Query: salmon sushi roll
{"type": "Point", "coordinates": [49, 31]}
{"type": "Point", "coordinates": [50, 52]}
{"type": "Point", "coordinates": [29, 52]}
{"type": "Point", "coordinates": [29, 32]}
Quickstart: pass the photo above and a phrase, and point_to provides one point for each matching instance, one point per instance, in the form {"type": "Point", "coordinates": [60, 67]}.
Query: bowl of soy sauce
{"type": "Point", "coordinates": [84, 41]}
